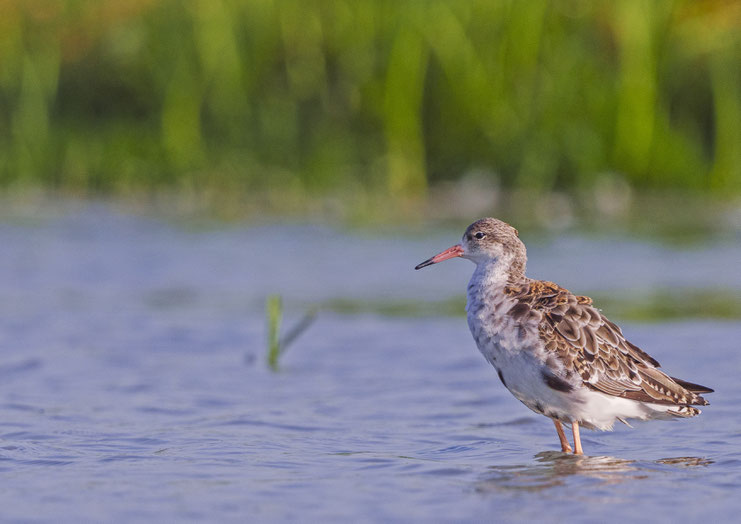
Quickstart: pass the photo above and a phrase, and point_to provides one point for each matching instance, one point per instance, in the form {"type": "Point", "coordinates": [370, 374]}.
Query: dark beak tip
{"type": "Point", "coordinates": [455, 251]}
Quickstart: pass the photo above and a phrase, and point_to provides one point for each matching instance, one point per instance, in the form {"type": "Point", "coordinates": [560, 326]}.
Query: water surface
{"type": "Point", "coordinates": [133, 384]}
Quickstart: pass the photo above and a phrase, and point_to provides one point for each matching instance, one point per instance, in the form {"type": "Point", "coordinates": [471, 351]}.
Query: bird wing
{"type": "Point", "coordinates": [588, 344]}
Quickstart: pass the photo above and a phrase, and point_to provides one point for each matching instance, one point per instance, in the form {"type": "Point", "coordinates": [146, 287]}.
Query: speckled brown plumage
{"type": "Point", "coordinates": [594, 349]}
{"type": "Point", "coordinates": [555, 351]}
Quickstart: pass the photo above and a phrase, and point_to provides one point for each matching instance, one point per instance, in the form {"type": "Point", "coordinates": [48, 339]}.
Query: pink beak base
{"type": "Point", "coordinates": [455, 251]}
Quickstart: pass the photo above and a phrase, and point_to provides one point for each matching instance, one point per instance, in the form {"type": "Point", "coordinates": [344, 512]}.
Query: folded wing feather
{"type": "Point", "coordinates": [591, 346]}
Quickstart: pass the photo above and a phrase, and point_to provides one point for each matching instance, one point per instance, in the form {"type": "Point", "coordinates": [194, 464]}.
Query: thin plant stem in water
{"type": "Point", "coordinates": [274, 312]}
{"type": "Point", "coordinates": [277, 345]}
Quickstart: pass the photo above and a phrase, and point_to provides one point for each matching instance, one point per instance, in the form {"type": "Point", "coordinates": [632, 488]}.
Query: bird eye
{"type": "Point", "coordinates": [480, 235]}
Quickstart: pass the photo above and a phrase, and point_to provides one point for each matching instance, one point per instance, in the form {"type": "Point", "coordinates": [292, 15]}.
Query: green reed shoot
{"type": "Point", "coordinates": [274, 312]}
{"type": "Point", "coordinates": [277, 345]}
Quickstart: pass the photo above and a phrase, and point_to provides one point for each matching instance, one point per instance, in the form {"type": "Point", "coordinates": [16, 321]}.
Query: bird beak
{"type": "Point", "coordinates": [455, 251]}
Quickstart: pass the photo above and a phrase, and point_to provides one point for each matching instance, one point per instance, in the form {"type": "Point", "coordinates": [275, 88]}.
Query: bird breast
{"type": "Point", "coordinates": [498, 333]}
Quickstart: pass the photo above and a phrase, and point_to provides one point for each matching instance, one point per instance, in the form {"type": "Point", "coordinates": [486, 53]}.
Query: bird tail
{"type": "Point", "coordinates": [696, 389]}
{"type": "Point", "coordinates": [683, 411]}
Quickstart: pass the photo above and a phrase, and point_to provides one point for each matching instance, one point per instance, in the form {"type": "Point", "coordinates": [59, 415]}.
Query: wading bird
{"type": "Point", "coordinates": [553, 350]}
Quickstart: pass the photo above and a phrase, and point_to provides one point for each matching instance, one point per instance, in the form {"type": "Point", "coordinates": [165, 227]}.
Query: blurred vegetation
{"type": "Point", "coordinates": [637, 306]}
{"type": "Point", "coordinates": [286, 100]}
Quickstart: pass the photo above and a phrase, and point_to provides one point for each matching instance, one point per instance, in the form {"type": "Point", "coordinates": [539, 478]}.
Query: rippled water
{"type": "Point", "coordinates": [133, 384]}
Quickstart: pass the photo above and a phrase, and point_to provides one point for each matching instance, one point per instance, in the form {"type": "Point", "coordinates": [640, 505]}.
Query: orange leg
{"type": "Point", "coordinates": [577, 438]}
{"type": "Point", "coordinates": [565, 446]}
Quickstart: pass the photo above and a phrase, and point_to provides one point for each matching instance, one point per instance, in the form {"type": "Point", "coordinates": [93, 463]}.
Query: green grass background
{"type": "Point", "coordinates": [290, 100]}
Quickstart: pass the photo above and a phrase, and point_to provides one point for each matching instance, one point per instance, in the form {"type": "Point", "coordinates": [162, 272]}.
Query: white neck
{"type": "Point", "coordinates": [491, 273]}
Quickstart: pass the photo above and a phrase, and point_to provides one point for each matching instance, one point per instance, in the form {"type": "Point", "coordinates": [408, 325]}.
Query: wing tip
{"type": "Point", "coordinates": [692, 387]}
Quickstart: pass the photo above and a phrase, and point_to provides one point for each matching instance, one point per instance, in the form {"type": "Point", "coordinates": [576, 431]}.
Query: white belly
{"type": "Point", "coordinates": [522, 375]}
{"type": "Point", "coordinates": [519, 359]}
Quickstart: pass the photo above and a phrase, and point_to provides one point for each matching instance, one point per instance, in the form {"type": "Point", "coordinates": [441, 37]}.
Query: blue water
{"type": "Point", "coordinates": [133, 383]}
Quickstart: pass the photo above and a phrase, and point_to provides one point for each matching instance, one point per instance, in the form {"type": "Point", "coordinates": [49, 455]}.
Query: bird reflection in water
{"type": "Point", "coordinates": [553, 469]}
